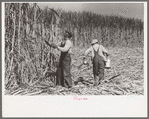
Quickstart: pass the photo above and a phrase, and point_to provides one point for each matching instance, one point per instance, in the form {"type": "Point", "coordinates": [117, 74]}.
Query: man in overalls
{"type": "Point", "coordinates": [98, 60]}
{"type": "Point", "coordinates": [63, 72]}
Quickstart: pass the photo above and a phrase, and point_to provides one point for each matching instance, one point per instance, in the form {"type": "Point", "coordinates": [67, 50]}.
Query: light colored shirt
{"type": "Point", "coordinates": [67, 47]}
{"type": "Point", "coordinates": [96, 46]}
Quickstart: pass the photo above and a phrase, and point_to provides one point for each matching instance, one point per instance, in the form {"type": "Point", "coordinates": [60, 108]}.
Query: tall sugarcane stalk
{"type": "Point", "coordinates": [19, 39]}
{"type": "Point", "coordinates": [13, 43]}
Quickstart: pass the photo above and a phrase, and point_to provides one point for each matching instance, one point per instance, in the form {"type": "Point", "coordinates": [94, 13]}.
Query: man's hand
{"type": "Point", "coordinates": [84, 57]}
{"type": "Point", "coordinates": [84, 60]}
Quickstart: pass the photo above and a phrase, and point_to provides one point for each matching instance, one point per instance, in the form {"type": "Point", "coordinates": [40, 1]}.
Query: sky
{"type": "Point", "coordinates": [130, 10]}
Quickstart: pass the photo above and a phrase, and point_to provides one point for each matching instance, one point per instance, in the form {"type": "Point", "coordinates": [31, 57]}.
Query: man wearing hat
{"type": "Point", "coordinates": [63, 72]}
{"type": "Point", "coordinates": [98, 60]}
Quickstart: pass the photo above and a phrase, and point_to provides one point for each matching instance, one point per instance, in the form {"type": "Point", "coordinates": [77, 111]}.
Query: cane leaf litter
{"type": "Point", "coordinates": [128, 63]}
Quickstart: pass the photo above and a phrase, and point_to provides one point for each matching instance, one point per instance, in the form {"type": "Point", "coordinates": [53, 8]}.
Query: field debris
{"type": "Point", "coordinates": [127, 79]}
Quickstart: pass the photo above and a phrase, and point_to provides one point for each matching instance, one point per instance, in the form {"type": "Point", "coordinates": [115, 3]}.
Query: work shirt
{"type": "Point", "coordinates": [96, 46]}
{"type": "Point", "coordinates": [67, 47]}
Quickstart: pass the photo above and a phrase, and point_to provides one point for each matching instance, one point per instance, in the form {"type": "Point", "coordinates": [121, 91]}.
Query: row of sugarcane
{"type": "Point", "coordinates": [108, 28]}
{"type": "Point", "coordinates": [27, 56]}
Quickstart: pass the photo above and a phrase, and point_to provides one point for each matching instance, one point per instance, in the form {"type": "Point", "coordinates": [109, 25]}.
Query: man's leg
{"type": "Point", "coordinates": [66, 72]}
{"type": "Point", "coordinates": [58, 76]}
{"type": "Point", "coordinates": [101, 66]}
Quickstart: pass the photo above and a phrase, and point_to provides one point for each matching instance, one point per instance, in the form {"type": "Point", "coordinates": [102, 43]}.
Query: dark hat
{"type": "Point", "coordinates": [67, 34]}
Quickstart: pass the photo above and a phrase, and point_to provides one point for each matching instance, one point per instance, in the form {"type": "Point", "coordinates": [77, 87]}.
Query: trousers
{"type": "Point", "coordinates": [98, 68]}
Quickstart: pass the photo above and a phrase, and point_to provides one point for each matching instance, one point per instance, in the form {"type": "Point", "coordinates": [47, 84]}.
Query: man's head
{"type": "Point", "coordinates": [94, 41]}
{"type": "Point", "coordinates": [67, 35]}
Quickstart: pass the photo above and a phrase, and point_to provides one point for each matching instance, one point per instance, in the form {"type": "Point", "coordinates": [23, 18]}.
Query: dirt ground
{"type": "Point", "coordinates": [126, 76]}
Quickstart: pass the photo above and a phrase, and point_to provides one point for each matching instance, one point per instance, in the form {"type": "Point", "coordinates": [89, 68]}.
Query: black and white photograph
{"type": "Point", "coordinates": [82, 52]}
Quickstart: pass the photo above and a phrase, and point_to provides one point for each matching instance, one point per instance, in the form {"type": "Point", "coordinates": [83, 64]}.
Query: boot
{"type": "Point", "coordinates": [95, 80]}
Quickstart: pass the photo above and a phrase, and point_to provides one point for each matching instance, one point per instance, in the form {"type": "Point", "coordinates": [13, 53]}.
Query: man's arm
{"type": "Point", "coordinates": [66, 47]}
{"type": "Point", "coordinates": [104, 50]}
{"type": "Point", "coordinates": [105, 53]}
{"type": "Point", "coordinates": [87, 51]}
{"type": "Point", "coordinates": [59, 44]}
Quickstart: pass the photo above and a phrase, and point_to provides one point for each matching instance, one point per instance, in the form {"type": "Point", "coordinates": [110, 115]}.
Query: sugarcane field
{"type": "Point", "coordinates": [36, 65]}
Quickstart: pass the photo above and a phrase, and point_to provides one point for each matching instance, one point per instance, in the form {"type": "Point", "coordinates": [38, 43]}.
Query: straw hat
{"type": "Point", "coordinates": [67, 34]}
{"type": "Point", "coordinates": [94, 41]}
